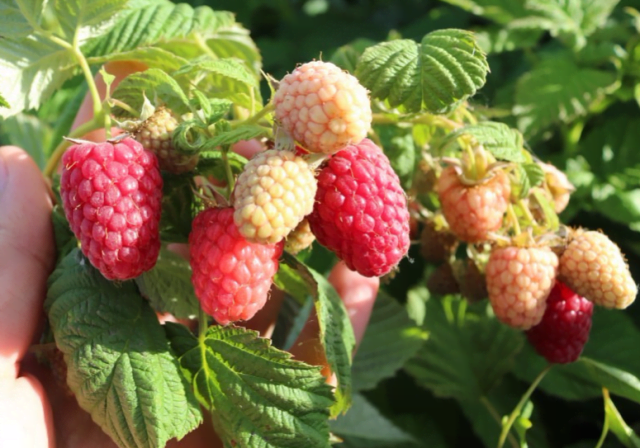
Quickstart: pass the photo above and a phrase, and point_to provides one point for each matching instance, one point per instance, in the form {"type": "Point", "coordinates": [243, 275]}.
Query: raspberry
{"type": "Point", "coordinates": [300, 238]}
{"type": "Point", "coordinates": [436, 245]}
{"type": "Point", "coordinates": [518, 281]}
{"type": "Point", "coordinates": [593, 266]}
{"type": "Point", "coordinates": [112, 194]}
{"type": "Point", "coordinates": [156, 134]}
{"type": "Point", "coordinates": [273, 194]}
{"type": "Point", "coordinates": [361, 211]}
{"type": "Point", "coordinates": [559, 186]}
{"type": "Point", "coordinates": [442, 281]}
{"type": "Point", "coordinates": [473, 211]}
{"type": "Point", "coordinates": [323, 107]}
{"type": "Point", "coordinates": [564, 329]}
{"type": "Point", "coordinates": [231, 276]}
{"type": "Point", "coordinates": [471, 281]}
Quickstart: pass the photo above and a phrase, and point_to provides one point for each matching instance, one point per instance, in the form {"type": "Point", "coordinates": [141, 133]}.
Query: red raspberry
{"type": "Point", "coordinates": [231, 276]}
{"type": "Point", "coordinates": [473, 211]}
{"type": "Point", "coordinates": [112, 194]}
{"type": "Point", "coordinates": [593, 266]}
{"type": "Point", "coordinates": [361, 211]}
{"type": "Point", "coordinates": [564, 329]}
{"type": "Point", "coordinates": [323, 107]}
{"type": "Point", "coordinates": [519, 281]}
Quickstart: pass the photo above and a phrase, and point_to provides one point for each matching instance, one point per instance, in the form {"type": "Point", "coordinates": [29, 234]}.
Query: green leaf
{"type": "Point", "coordinates": [531, 175]}
{"type": "Point", "coordinates": [32, 69]}
{"type": "Point", "coordinates": [147, 23]}
{"type": "Point", "coordinates": [291, 280]}
{"type": "Point", "coordinates": [613, 336]}
{"type": "Point", "coordinates": [500, 11]}
{"type": "Point", "coordinates": [346, 57]}
{"type": "Point", "coordinates": [211, 163]}
{"type": "Point", "coordinates": [496, 39]}
{"type": "Point", "coordinates": [178, 208]}
{"type": "Point", "coordinates": [120, 365]}
{"type": "Point", "coordinates": [17, 17]}
{"type": "Point", "coordinates": [151, 56]}
{"type": "Point", "coordinates": [447, 67]}
{"type": "Point", "coordinates": [243, 132]}
{"type": "Point", "coordinates": [29, 133]}
{"type": "Point", "coordinates": [557, 90]}
{"type": "Point", "coordinates": [616, 380]}
{"type": "Point", "coordinates": [258, 396]}
{"type": "Point", "coordinates": [400, 148]}
{"type": "Point", "coordinates": [168, 286]}
{"type": "Point", "coordinates": [390, 340]}
{"type": "Point", "coordinates": [3, 102]}
{"type": "Point", "coordinates": [497, 138]}
{"type": "Point", "coordinates": [80, 20]}
{"type": "Point", "coordinates": [466, 354]}
{"type": "Point", "coordinates": [157, 85]}
{"type": "Point", "coordinates": [618, 426]}
{"type": "Point", "coordinates": [336, 332]}
{"type": "Point", "coordinates": [364, 426]}
{"type": "Point", "coordinates": [64, 237]}
{"type": "Point", "coordinates": [228, 78]}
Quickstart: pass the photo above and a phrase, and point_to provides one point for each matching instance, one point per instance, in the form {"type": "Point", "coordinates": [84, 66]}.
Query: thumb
{"type": "Point", "coordinates": [26, 253]}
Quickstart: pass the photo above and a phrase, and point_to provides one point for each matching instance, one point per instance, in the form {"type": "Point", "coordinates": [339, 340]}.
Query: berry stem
{"type": "Point", "coordinates": [124, 106]}
{"type": "Point", "coordinates": [56, 155]}
{"type": "Point", "coordinates": [203, 324]}
{"type": "Point", "coordinates": [86, 71]}
{"type": "Point", "coordinates": [506, 426]}
{"type": "Point", "coordinates": [496, 416]}
{"type": "Point", "coordinates": [227, 170]}
{"type": "Point", "coordinates": [513, 219]}
{"type": "Point", "coordinates": [259, 115]}
{"type": "Point", "coordinates": [605, 427]}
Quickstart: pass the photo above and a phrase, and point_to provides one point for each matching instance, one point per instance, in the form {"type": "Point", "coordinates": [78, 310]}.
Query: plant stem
{"type": "Point", "coordinates": [259, 115]}
{"type": "Point", "coordinates": [605, 427]}
{"type": "Point", "coordinates": [496, 416]}
{"type": "Point", "coordinates": [56, 155]}
{"type": "Point", "coordinates": [203, 324]}
{"type": "Point", "coordinates": [124, 106]}
{"type": "Point", "coordinates": [513, 219]}
{"type": "Point", "coordinates": [93, 89]}
{"type": "Point", "coordinates": [228, 173]}
{"type": "Point", "coordinates": [516, 412]}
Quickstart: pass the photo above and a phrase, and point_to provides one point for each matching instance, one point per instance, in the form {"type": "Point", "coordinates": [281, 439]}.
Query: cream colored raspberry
{"type": "Point", "coordinates": [593, 267]}
{"type": "Point", "coordinates": [322, 107]}
{"type": "Point", "coordinates": [273, 194]}
{"type": "Point", "coordinates": [300, 238]}
{"type": "Point", "coordinates": [519, 280]}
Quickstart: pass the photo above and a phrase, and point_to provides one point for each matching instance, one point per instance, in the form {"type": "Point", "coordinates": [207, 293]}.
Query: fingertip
{"type": "Point", "coordinates": [358, 294]}
{"type": "Point", "coordinates": [247, 148]}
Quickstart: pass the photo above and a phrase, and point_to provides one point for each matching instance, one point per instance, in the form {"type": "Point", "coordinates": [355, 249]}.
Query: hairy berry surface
{"type": "Point", "coordinates": [361, 210]}
{"type": "Point", "coordinates": [112, 194]}
{"type": "Point", "coordinates": [231, 276]}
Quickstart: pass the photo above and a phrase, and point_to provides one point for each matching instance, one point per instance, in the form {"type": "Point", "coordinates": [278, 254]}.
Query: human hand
{"type": "Point", "coordinates": [34, 409]}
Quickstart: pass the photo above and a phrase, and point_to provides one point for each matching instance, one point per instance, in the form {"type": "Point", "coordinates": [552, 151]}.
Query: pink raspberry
{"type": "Point", "coordinates": [323, 107]}
{"type": "Point", "coordinates": [564, 329]}
{"type": "Point", "coordinates": [112, 194]}
{"type": "Point", "coordinates": [519, 280]}
{"type": "Point", "coordinates": [361, 211]}
{"type": "Point", "coordinates": [473, 211]}
{"type": "Point", "coordinates": [231, 276]}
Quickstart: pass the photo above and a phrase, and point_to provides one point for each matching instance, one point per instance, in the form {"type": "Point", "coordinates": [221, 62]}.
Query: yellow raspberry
{"type": "Point", "coordinates": [593, 266]}
{"type": "Point", "coordinates": [322, 107]}
{"type": "Point", "coordinates": [273, 194]}
{"type": "Point", "coordinates": [300, 238]}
